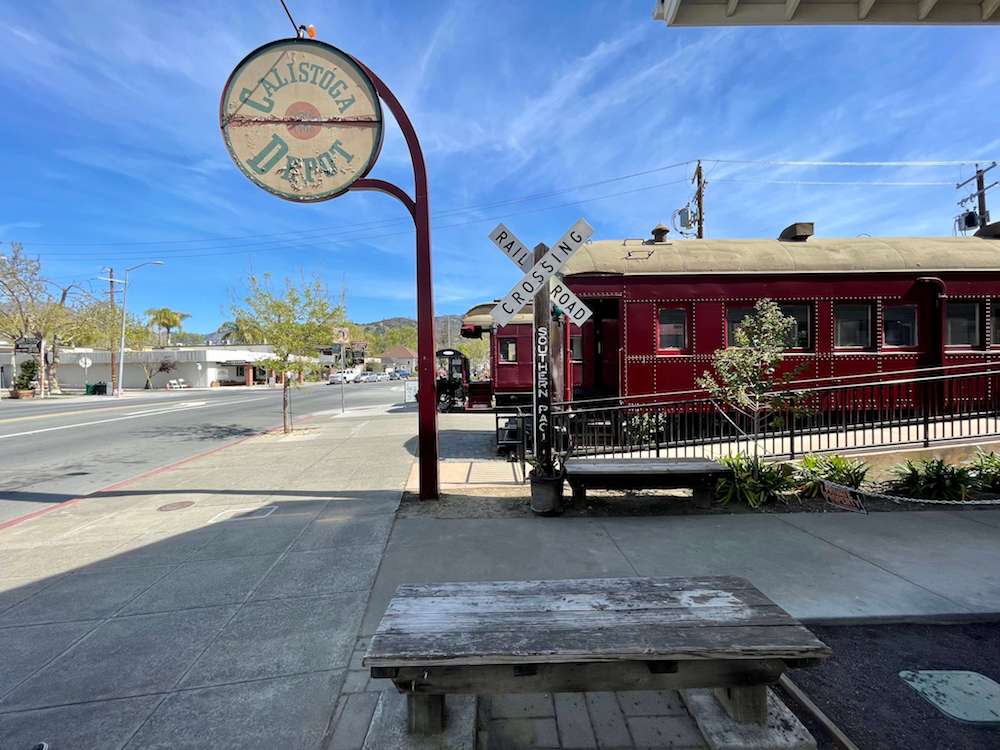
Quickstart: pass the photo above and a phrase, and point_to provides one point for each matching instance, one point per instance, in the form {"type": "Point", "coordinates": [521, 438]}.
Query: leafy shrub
{"type": "Point", "coordinates": [985, 471]}
{"type": "Point", "coordinates": [932, 479]}
{"type": "Point", "coordinates": [752, 481]}
{"type": "Point", "coordinates": [29, 372]}
{"type": "Point", "coordinates": [813, 470]}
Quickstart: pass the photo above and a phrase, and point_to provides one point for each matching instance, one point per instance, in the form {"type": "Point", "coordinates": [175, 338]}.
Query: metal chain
{"type": "Point", "coordinates": [902, 500]}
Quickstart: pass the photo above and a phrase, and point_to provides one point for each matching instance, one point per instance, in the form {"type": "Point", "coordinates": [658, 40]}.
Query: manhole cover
{"type": "Point", "coordinates": [176, 506]}
{"type": "Point", "coordinates": [961, 695]}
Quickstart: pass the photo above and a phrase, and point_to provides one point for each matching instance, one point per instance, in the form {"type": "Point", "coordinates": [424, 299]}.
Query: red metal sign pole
{"type": "Point", "coordinates": [419, 209]}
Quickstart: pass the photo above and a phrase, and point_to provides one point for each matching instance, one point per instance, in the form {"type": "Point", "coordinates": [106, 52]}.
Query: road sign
{"type": "Point", "coordinates": [559, 293]}
{"type": "Point", "coordinates": [85, 362]}
{"type": "Point", "coordinates": [537, 278]}
{"type": "Point", "coordinates": [511, 246]}
{"type": "Point", "coordinates": [301, 119]}
{"type": "Point", "coordinates": [27, 345]}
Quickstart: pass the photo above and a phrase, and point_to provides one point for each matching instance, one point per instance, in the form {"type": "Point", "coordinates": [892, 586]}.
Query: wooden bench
{"type": "Point", "coordinates": [586, 635]}
{"type": "Point", "coordinates": [640, 474]}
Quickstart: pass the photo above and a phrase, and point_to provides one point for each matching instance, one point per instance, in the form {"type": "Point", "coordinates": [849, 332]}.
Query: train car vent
{"type": "Point", "coordinates": [800, 231]}
{"type": "Point", "coordinates": [638, 254]}
{"type": "Point", "coordinates": [660, 233]}
{"type": "Point", "coordinates": [989, 231]}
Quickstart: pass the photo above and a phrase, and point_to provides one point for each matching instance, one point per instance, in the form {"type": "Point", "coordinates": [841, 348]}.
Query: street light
{"type": "Point", "coordinates": [121, 348]}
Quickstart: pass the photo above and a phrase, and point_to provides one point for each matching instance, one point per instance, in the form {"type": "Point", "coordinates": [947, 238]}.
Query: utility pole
{"type": "Point", "coordinates": [699, 180]}
{"type": "Point", "coordinates": [980, 194]}
{"type": "Point", "coordinates": [114, 358]}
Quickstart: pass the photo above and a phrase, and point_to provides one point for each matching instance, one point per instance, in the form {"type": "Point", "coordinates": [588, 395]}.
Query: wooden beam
{"type": "Point", "coordinates": [924, 8]}
{"type": "Point", "coordinates": [791, 6]}
{"type": "Point", "coordinates": [731, 7]}
{"type": "Point", "coordinates": [989, 8]}
{"type": "Point", "coordinates": [670, 8]}
{"type": "Point", "coordinates": [864, 8]}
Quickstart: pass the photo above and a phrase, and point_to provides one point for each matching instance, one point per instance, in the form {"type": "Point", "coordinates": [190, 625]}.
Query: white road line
{"type": "Point", "coordinates": [136, 415]}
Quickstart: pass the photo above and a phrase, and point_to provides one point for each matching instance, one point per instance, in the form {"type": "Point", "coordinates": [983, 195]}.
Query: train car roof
{"type": "Point", "coordinates": [480, 315]}
{"type": "Point", "coordinates": [815, 255]}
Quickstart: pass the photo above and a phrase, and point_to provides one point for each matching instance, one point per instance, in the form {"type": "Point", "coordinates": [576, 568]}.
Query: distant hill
{"type": "Point", "coordinates": [441, 325]}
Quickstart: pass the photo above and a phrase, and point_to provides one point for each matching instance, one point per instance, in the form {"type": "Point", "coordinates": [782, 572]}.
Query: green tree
{"type": "Point", "coordinates": [241, 330]}
{"type": "Point", "coordinates": [745, 375]}
{"type": "Point", "coordinates": [295, 320]}
{"type": "Point", "coordinates": [166, 319]}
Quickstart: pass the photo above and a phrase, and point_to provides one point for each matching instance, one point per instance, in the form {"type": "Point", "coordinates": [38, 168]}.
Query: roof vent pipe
{"type": "Point", "coordinates": [989, 231]}
{"type": "Point", "coordinates": [800, 231]}
{"type": "Point", "coordinates": [660, 233]}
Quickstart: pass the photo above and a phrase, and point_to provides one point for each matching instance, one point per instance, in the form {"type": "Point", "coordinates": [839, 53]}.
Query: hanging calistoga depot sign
{"type": "Point", "coordinates": [301, 119]}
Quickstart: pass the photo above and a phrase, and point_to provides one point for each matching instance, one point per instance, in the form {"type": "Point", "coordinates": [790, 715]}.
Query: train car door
{"type": "Point", "coordinates": [605, 365]}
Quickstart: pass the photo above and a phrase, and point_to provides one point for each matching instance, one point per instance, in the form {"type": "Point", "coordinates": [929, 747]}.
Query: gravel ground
{"type": "Point", "coordinates": [860, 689]}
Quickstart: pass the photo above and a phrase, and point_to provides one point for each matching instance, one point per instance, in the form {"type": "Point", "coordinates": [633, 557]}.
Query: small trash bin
{"type": "Point", "coordinates": [100, 389]}
{"type": "Point", "coordinates": [88, 389]}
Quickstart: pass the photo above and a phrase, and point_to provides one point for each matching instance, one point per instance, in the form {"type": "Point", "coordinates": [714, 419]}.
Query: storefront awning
{"type": "Point", "coordinates": [821, 12]}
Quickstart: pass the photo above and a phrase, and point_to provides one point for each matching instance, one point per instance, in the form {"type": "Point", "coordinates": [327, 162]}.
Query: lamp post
{"type": "Point", "coordinates": [121, 348]}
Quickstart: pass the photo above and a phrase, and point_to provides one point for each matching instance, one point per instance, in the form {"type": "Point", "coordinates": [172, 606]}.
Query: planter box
{"type": "Point", "coordinates": [22, 394]}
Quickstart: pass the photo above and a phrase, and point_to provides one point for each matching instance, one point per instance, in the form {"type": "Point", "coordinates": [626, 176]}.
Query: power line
{"type": "Point", "coordinates": [873, 183]}
{"type": "Point", "coordinates": [783, 163]}
{"type": "Point", "coordinates": [379, 222]}
{"type": "Point", "coordinates": [353, 240]}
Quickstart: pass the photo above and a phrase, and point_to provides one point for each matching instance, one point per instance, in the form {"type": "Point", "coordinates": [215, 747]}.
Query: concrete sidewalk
{"type": "Point", "coordinates": [823, 567]}
{"type": "Point", "coordinates": [216, 604]}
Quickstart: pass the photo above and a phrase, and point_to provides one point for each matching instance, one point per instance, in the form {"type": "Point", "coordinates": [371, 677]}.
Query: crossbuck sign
{"type": "Point", "coordinates": [539, 274]}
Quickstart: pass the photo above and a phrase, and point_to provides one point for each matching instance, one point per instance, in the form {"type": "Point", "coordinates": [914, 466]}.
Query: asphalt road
{"type": "Point", "coordinates": [58, 449]}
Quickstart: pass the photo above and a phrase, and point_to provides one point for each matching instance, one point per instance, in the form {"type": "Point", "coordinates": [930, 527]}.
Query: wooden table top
{"type": "Point", "coordinates": [586, 620]}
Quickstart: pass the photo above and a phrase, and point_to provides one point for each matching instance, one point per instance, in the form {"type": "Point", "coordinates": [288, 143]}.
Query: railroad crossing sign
{"type": "Point", "coordinates": [85, 362]}
{"type": "Point", "coordinates": [559, 293]}
{"type": "Point", "coordinates": [539, 274]}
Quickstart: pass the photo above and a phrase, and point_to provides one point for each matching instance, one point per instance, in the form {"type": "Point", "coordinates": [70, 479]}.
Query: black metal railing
{"type": "Point", "coordinates": [837, 416]}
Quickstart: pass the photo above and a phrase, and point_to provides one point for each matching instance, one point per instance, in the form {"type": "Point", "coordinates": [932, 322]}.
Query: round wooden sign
{"type": "Point", "coordinates": [301, 119]}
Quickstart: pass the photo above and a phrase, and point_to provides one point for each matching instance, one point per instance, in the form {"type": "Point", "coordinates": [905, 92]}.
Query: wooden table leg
{"type": "Point", "coordinates": [744, 704]}
{"type": "Point", "coordinates": [426, 712]}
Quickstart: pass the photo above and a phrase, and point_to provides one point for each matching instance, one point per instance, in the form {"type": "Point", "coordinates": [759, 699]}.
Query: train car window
{"type": "Point", "coordinates": [852, 327]}
{"type": "Point", "coordinates": [734, 316]}
{"type": "Point", "coordinates": [963, 324]}
{"type": "Point", "coordinates": [576, 348]}
{"type": "Point", "coordinates": [899, 325]}
{"type": "Point", "coordinates": [995, 307]}
{"type": "Point", "coordinates": [672, 330]}
{"type": "Point", "coordinates": [800, 337]}
{"type": "Point", "coordinates": [508, 350]}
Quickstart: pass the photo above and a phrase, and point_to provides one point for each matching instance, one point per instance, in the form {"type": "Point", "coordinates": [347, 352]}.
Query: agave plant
{"type": "Point", "coordinates": [932, 479]}
{"type": "Point", "coordinates": [985, 471]}
{"type": "Point", "coordinates": [813, 470]}
{"type": "Point", "coordinates": [752, 481]}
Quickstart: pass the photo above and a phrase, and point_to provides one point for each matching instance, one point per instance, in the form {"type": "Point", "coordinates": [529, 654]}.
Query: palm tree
{"type": "Point", "coordinates": [166, 319]}
{"type": "Point", "coordinates": [242, 330]}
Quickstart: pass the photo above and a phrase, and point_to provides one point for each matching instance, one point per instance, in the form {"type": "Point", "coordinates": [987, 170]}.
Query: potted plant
{"type": "Point", "coordinates": [546, 491]}
{"type": "Point", "coordinates": [22, 387]}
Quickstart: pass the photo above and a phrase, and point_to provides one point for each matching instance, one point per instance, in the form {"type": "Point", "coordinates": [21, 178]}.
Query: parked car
{"type": "Point", "coordinates": [367, 377]}
{"type": "Point", "coordinates": [336, 378]}
{"type": "Point", "coordinates": [403, 374]}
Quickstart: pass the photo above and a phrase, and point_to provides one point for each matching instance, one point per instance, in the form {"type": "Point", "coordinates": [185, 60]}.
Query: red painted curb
{"type": "Point", "coordinates": [150, 473]}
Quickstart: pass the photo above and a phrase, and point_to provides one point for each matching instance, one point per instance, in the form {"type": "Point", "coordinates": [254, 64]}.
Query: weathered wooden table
{"type": "Point", "coordinates": [587, 635]}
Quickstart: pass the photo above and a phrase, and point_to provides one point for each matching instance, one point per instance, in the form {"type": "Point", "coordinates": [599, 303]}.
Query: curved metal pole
{"type": "Point", "coordinates": [419, 209]}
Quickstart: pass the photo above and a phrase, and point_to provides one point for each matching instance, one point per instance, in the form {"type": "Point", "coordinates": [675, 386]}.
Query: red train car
{"type": "Point", "coordinates": [863, 305]}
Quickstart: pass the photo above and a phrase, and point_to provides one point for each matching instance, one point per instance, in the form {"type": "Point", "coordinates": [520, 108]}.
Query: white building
{"type": "Point", "coordinates": [197, 366]}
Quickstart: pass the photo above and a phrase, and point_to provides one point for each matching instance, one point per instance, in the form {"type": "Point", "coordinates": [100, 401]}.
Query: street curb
{"type": "Point", "coordinates": [149, 473]}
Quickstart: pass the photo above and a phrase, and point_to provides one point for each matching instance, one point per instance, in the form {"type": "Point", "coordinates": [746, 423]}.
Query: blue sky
{"type": "Point", "coordinates": [113, 154]}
